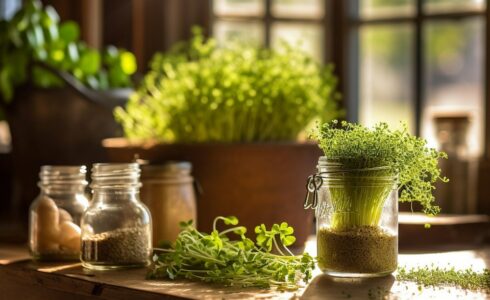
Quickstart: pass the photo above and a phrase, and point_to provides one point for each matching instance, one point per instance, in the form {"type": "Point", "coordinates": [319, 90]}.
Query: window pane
{"type": "Point", "coordinates": [298, 8]}
{"type": "Point", "coordinates": [8, 8]}
{"type": "Point", "coordinates": [386, 84]}
{"type": "Point", "coordinates": [454, 78]}
{"type": "Point", "coordinates": [437, 6]}
{"type": "Point", "coordinates": [386, 8]}
{"type": "Point", "coordinates": [239, 7]}
{"type": "Point", "coordinates": [247, 32]}
{"type": "Point", "coordinates": [308, 37]}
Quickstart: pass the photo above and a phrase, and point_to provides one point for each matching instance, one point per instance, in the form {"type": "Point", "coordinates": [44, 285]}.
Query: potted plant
{"type": "Point", "coordinates": [236, 113]}
{"type": "Point", "coordinates": [57, 94]}
{"type": "Point", "coordinates": [357, 187]}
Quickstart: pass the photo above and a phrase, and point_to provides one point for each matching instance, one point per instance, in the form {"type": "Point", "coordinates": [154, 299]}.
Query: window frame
{"type": "Point", "coordinates": [350, 63]}
{"type": "Point", "coordinates": [341, 22]}
{"type": "Point", "coordinates": [268, 19]}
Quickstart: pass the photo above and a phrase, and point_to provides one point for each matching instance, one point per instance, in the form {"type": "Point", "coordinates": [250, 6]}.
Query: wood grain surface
{"type": "Point", "coordinates": [20, 278]}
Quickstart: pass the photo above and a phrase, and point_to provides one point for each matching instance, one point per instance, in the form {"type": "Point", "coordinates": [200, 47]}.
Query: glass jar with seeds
{"type": "Point", "coordinates": [168, 191]}
{"type": "Point", "coordinates": [116, 227]}
{"type": "Point", "coordinates": [54, 216]}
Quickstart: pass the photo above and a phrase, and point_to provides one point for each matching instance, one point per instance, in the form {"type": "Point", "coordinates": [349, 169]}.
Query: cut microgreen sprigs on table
{"type": "Point", "coordinates": [435, 276]}
{"type": "Point", "coordinates": [215, 258]}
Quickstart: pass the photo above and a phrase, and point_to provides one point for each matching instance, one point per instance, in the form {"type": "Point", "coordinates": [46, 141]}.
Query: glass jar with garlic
{"type": "Point", "coordinates": [54, 216]}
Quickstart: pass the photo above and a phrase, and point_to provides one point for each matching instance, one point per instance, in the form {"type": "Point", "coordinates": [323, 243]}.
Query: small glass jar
{"type": "Point", "coordinates": [168, 191]}
{"type": "Point", "coordinates": [357, 219]}
{"type": "Point", "coordinates": [54, 216]}
{"type": "Point", "coordinates": [116, 227]}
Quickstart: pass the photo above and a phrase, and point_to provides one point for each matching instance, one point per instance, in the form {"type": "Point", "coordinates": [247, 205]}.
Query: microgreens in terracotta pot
{"type": "Point", "coordinates": [200, 92]}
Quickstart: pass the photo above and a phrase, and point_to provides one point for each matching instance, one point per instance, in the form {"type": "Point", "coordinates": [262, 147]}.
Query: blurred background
{"type": "Point", "coordinates": [424, 62]}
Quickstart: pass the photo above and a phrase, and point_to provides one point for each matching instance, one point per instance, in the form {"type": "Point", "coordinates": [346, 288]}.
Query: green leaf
{"type": "Point", "coordinates": [231, 220]}
{"type": "Point", "coordinates": [218, 243]}
{"type": "Point", "coordinates": [90, 62]}
{"type": "Point", "coordinates": [20, 21]}
{"type": "Point", "coordinates": [240, 230]}
{"type": "Point", "coordinates": [111, 55]}
{"type": "Point", "coordinates": [73, 52]}
{"type": "Point", "coordinates": [36, 17]}
{"type": "Point", "coordinates": [268, 244]}
{"type": "Point", "coordinates": [51, 12]}
{"type": "Point", "coordinates": [69, 31]}
{"type": "Point", "coordinates": [117, 77]}
{"type": "Point", "coordinates": [128, 63]}
{"type": "Point", "coordinates": [57, 55]}
{"type": "Point", "coordinates": [53, 33]}
{"type": "Point", "coordinates": [103, 80]}
{"type": "Point", "coordinates": [33, 5]}
{"type": "Point", "coordinates": [288, 240]}
{"type": "Point", "coordinates": [261, 239]}
{"type": "Point", "coordinates": [41, 54]}
{"type": "Point", "coordinates": [31, 39]}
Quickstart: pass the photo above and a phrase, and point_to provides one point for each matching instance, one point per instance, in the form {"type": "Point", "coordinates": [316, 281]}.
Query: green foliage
{"type": "Point", "coordinates": [217, 259]}
{"type": "Point", "coordinates": [200, 92]}
{"type": "Point", "coordinates": [35, 35]}
{"type": "Point", "coordinates": [386, 153]}
{"type": "Point", "coordinates": [435, 276]}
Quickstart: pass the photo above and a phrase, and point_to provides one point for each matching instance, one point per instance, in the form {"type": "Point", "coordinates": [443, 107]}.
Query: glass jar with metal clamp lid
{"type": "Point", "coordinates": [357, 219]}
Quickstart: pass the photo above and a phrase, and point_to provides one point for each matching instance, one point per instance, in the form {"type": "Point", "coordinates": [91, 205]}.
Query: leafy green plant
{"type": "Point", "coordinates": [35, 37]}
{"type": "Point", "coordinates": [375, 158]}
{"type": "Point", "coordinates": [200, 92]}
{"type": "Point", "coordinates": [215, 258]}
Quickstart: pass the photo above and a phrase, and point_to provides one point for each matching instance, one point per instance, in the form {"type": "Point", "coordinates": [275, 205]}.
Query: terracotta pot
{"type": "Point", "coordinates": [258, 183]}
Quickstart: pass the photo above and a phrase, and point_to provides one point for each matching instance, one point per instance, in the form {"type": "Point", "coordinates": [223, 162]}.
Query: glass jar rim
{"type": "Point", "coordinates": [115, 175]}
{"type": "Point", "coordinates": [52, 175]}
{"type": "Point", "coordinates": [323, 161]}
{"type": "Point", "coordinates": [332, 171]}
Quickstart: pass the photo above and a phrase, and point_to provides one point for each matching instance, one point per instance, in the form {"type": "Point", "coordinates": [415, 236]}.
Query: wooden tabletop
{"type": "Point", "coordinates": [20, 278]}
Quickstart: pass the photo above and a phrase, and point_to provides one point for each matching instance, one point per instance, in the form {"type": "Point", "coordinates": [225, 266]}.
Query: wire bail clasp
{"type": "Point", "coordinates": [313, 184]}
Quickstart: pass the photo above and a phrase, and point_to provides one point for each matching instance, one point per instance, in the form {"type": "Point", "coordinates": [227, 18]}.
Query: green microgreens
{"type": "Point", "coordinates": [435, 276]}
{"type": "Point", "coordinates": [371, 155]}
{"type": "Point", "coordinates": [202, 92]}
{"type": "Point", "coordinates": [215, 258]}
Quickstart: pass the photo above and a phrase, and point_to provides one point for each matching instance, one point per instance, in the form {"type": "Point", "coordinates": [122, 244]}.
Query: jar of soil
{"type": "Point", "coordinates": [357, 219]}
{"type": "Point", "coordinates": [116, 227]}
{"type": "Point", "coordinates": [54, 216]}
{"type": "Point", "coordinates": [168, 191]}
